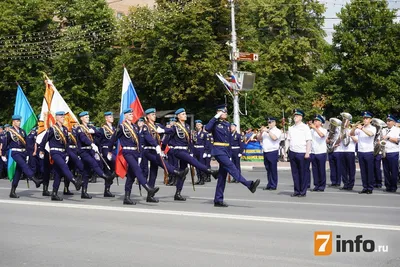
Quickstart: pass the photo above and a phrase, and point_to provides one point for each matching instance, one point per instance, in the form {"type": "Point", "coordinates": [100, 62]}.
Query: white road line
{"type": "Point", "coordinates": [206, 215]}
{"type": "Point", "coordinates": [337, 205]}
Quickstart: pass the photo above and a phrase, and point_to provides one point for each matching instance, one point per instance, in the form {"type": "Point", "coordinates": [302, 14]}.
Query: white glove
{"type": "Point", "coordinates": [41, 155]}
{"type": "Point", "coordinates": [91, 131]}
{"type": "Point", "coordinates": [109, 156]}
{"type": "Point", "coordinates": [139, 160]}
{"type": "Point", "coordinates": [94, 147]}
{"type": "Point", "coordinates": [79, 157]}
{"type": "Point", "coordinates": [158, 150]}
{"type": "Point", "coordinates": [27, 158]}
{"type": "Point", "coordinates": [239, 155]}
{"type": "Point", "coordinates": [209, 155]}
{"type": "Point", "coordinates": [204, 155]}
{"type": "Point", "coordinates": [230, 159]}
{"type": "Point", "coordinates": [160, 130]}
{"type": "Point", "coordinates": [191, 155]}
{"type": "Point", "coordinates": [96, 156]}
{"type": "Point", "coordinates": [66, 159]}
{"type": "Point", "coordinates": [219, 113]}
{"type": "Point", "coordinates": [4, 158]}
{"type": "Point", "coordinates": [162, 154]}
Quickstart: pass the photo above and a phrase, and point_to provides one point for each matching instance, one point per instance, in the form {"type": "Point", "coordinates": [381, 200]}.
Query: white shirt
{"type": "Point", "coordinates": [298, 136]}
{"type": "Point", "coordinates": [393, 132]}
{"type": "Point", "coordinates": [365, 142]}
{"type": "Point", "coordinates": [267, 143]}
{"type": "Point", "coordinates": [318, 142]}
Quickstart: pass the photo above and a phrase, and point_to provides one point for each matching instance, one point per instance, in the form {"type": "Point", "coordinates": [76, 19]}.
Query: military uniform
{"type": "Point", "coordinates": [391, 159]}
{"type": "Point", "coordinates": [207, 150]}
{"type": "Point", "coordinates": [3, 154]}
{"type": "Point", "coordinates": [199, 143]}
{"type": "Point", "coordinates": [318, 156]}
{"type": "Point", "coordinates": [237, 146]}
{"type": "Point", "coordinates": [74, 164]}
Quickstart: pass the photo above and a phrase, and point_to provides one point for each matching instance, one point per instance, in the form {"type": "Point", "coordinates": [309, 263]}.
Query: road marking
{"type": "Point", "coordinates": [206, 215]}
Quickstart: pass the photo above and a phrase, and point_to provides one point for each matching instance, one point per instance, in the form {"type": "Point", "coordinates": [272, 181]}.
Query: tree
{"type": "Point", "coordinates": [364, 73]}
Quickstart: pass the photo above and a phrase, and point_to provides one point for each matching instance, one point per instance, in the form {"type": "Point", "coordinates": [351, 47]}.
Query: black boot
{"type": "Point", "coordinates": [55, 197]}
{"type": "Point", "coordinates": [202, 179]}
{"type": "Point", "coordinates": [171, 179]}
{"type": "Point", "coordinates": [208, 178]}
{"type": "Point", "coordinates": [178, 196]}
{"type": "Point", "coordinates": [12, 193]}
{"type": "Point", "coordinates": [78, 183]}
{"type": "Point", "coordinates": [151, 191]}
{"type": "Point", "coordinates": [151, 199]}
{"type": "Point", "coordinates": [254, 184]}
{"type": "Point", "coordinates": [214, 173]}
{"type": "Point", "coordinates": [182, 173]}
{"type": "Point", "coordinates": [107, 177]}
{"type": "Point", "coordinates": [198, 180]}
{"type": "Point", "coordinates": [46, 192]}
{"type": "Point", "coordinates": [67, 192]}
{"type": "Point", "coordinates": [37, 181]}
{"type": "Point", "coordinates": [84, 194]}
{"type": "Point", "coordinates": [107, 192]}
{"type": "Point", "coordinates": [127, 199]}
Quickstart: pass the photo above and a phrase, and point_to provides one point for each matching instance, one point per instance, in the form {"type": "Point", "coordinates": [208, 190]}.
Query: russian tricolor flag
{"type": "Point", "coordinates": [129, 99]}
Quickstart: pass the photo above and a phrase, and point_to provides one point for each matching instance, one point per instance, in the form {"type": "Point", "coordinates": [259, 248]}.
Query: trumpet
{"type": "Point", "coordinates": [354, 125]}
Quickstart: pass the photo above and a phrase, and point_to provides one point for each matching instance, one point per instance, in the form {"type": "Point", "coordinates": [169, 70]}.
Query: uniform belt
{"type": "Point", "coordinates": [57, 149]}
{"type": "Point", "coordinates": [129, 148]}
{"type": "Point", "coordinates": [105, 146]}
{"type": "Point", "coordinates": [18, 149]}
{"type": "Point", "coordinates": [150, 147]}
{"type": "Point", "coordinates": [86, 147]}
{"type": "Point", "coordinates": [180, 147]}
{"type": "Point", "coordinates": [220, 144]}
{"type": "Point", "coordinates": [235, 147]}
{"type": "Point", "coordinates": [72, 146]}
{"type": "Point", "coordinates": [170, 147]}
{"type": "Point", "coordinates": [199, 146]}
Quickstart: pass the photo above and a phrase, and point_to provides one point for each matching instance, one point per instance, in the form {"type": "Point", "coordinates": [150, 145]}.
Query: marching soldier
{"type": "Point", "coordinates": [128, 135]}
{"type": "Point", "coordinates": [32, 150]}
{"type": "Point", "coordinates": [199, 142]}
{"type": "Point", "coordinates": [237, 146]}
{"type": "Point", "coordinates": [391, 152]}
{"type": "Point", "coordinates": [220, 129]}
{"type": "Point", "coordinates": [366, 134]}
{"type": "Point", "coordinates": [183, 149]}
{"type": "Point", "coordinates": [57, 137]}
{"type": "Point", "coordinates": [107, 145]}
{"type": "Point", "coordinates": [318, 153]}
{"type": "Point", "coordinates": [16, 142]}
{"type": "Point", "coordinates": [144, 164]}
{"type": "Point", "coordinates": [88, 151]}
{"type": "Point", "coordinates": [3, 153]}
{"type": "Point", "coordinates": [208, 148]}
{"type": "Point", "coordinates": [270, 139]}
{"type": "Point", "coordinates": [75, 164]}
{"type": "Point", "coordinates": [300, 142]}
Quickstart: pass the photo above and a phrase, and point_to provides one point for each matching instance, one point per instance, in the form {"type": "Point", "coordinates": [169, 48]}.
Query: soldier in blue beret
{"type": "Point", "coordinates": [220, 129]}
{"type": "Point", "coordinates": [199, 137]}
{"type": "Point", "coordinates": [16, 142]}
{"type": "Point", "coordinates": [237, 146]}
{"type": "Point", "coordinates": [3, 154]}
{"type": "Point", "coordinates": [33, 151]}
{"type": "Point", "coordinates": [57, 138]}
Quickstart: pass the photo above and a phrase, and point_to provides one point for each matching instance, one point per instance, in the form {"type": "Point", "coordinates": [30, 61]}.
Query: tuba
{"type": "Point", "coordinates": [334, 124]}
{"type": "Point", "coordinates": [379, 125]}
{"type": "Point", "coordinates": [344, 134]}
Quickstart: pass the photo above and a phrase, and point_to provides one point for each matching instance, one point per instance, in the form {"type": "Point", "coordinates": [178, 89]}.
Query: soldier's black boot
{"type": "Point", "coordinates": [67, 192]}
{"type": "Point", "coordinates": [55, 197]}
{"type": "Point", "coordinates": [37, 181]}
{"type": "Point", "coordinates": [107, 192]}
{"type": "Point", "coordinates": [214, 173]}
{"type": "Point", "coordinates": [202, 179]}
{"type": "Point", "coordinates": [254, 184]}
{"type": "Point", "coordinates": [171, 179]}
{"type": "Point", "coordinates": [77, 182]}
{"type": "Point", "coordinates": [46, 192]}
{"type": "Point", "coordinates": [178, 196]}
{"type": "Point", "coordinates": [127, 199]}
{"type": "Point", "coordinates": [12, 193]}
{"type": "Point", "coordinates": [84, 194]}
{"type": "Point", "coordinates": [182, 173]}
{"type": "Point", "coordinates": [208, 178]}
{"type": "Point", "coordinates": [151, 191]}
{"type": "Point", "coordinates": [198, 179]}
{"type": "Point", "coordinates": [108, 177]}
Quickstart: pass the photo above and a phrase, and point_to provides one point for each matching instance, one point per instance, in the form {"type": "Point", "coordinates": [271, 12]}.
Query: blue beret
{"type": "Point", "coordinates": [320, 118]}
{"type": "Point", "coordinates": [141, 119]}
{"type": "Point", "coordinates": [178, 111]}
{"type": "Point", "coordinates": [172, 119]}
{"type": "Point", "coordinates": [6, 125]}
{"type": "Point", "coordinates": [16, 117]}
{"type": "Point", "coordinates": [391, 117]}
{"type": "Point", "coordinates": [1, 126]}
{"type": "Point", "coordinates": [128, 110]}
{"type": "Point", "coordinates": [60, 113]}
{"type": "Point", "coordinates": [367, 114]}
{"type": "Point", "coordinates": [168, 123]}
{"type": "Point", "coordinates": [83, 113]}
{"type": "Point", "coordinates": [150, 110]}
{"type": "Point", "coordinates": [298, 112]}
{"type": "Point", "coordinates": [221, 107]}
{"type": "Point", "coordinates": [234, 124]}
{"type": "Point", "coordinates": [108, 113]}
{"type": "Point", "coordinates": [198, 121]}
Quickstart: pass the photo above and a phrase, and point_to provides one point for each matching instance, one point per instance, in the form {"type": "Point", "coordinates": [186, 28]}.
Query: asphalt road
{"type": "Point", "coordinates": [268, 228]}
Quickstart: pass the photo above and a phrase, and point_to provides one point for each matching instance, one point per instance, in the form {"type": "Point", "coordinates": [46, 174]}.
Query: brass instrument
{"type": "Point", "coordinates": [379, 125]}
{"type": "Point", "coordinates": [354, 125]}
{"type": "Point", "coordinates": [334, 138]}
{"type": "Point", "coordinates": [383, 148]}
{"type": "Point", "coordinates": [344, 134]}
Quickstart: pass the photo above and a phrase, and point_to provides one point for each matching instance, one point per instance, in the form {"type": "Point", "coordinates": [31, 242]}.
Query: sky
{"type": "Point", "coordinates": [334, 6]}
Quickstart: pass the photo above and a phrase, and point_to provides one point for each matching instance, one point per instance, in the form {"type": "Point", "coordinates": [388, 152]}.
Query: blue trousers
{"type": "Point", "coordinates": [298, 166]}
{"type": "Point", "coordinates": [391, 170]}
{"type": "Point", "coordinates": [110, 163]}
{"type": "Point", "coordinates": [226, 166]}
{"type": "Point", "coordinates": [134, 169]}
{"type": "Point", "coordinates": [155, 162]}
{"type": "Point", "coordinates": [366, 160]}
{"type": "Point", "coordinates": [198, 154]}
{"type": "Point", "coordinates": [74, 162]}
{"type": "Point", "coordinates": [46, 168]}
{"type": "Point", "coordinates": [89, 164]}
{"type": "Point", "coordinates": [271, 165]}
{"type": "Point", "coordinates": [348, 163]}
{"type": "Point", "coordinates": [144, 164]}
{"type": "Point", "coordinates": [377, 170]}
{"type": "Point", "coordinates": [334, 165]}
{"type": "Point", "coordinates": [60, 168]}
{"type": "Point", "coordinates": [319, 170]}
{"type": "Point", "coordinates": [236, 159]}
{"type": "Point", "coordinates": [21, 167]}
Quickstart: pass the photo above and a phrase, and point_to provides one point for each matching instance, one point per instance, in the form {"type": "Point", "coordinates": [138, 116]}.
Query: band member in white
{"type": "Point", "coordinates": [318, 153]}
{"type": "Point", "coordinates": [390, 155]}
